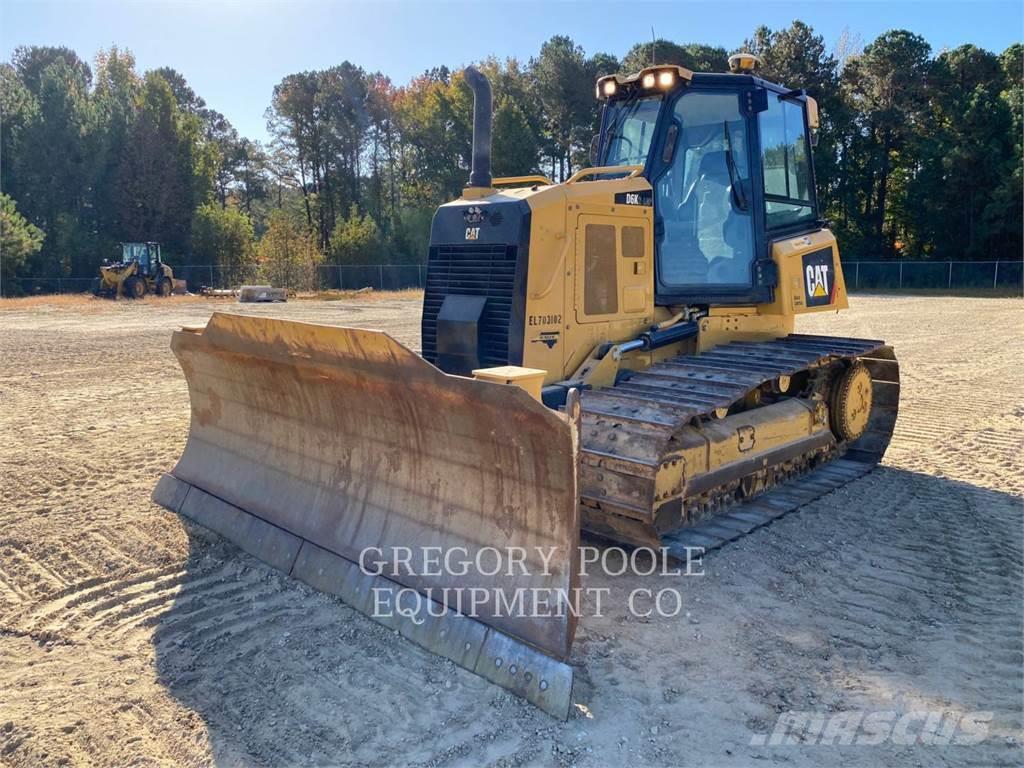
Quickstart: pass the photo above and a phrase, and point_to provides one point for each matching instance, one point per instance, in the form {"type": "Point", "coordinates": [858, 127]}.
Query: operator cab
{"type": "Point", "coordinates": [147, 255]}
{"type": "Point", "coordinates": [729, 160]}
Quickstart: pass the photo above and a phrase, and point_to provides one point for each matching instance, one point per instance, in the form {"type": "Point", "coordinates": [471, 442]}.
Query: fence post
{"type": "Point", "coordinates": [995, 276]}
{"type": "Point", "coordinates": [856, 276]}
{"type": "Point", "coordinates": [380, 274]}
{"type": "Point", "coordinates": [61, 291]}
{"type": "Point", "coordinates": [419, 275]}
{"type": "Point", "coordinates": [949, 283]}
{"type": "Point", "coordinates": [210, 267]}
{"type": "Point", "coordinates": [901, 274]}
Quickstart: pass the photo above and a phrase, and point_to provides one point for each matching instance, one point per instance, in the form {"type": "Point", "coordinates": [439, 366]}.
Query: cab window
{"type": "Point", "coordinates": [703, 198]}
{"type": "Point", "coordinates": [629, 128]}
{"type": "Point", "coordinates": [785, 158]}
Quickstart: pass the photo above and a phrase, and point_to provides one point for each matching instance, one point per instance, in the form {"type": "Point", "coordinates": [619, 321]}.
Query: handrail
{"type": "Point", "coordinates": [634, 170]}
{"type": "Point", "coordinates": [532, 179]}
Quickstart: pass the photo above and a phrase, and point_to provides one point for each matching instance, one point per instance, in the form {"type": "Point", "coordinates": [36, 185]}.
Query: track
{"type": "Point", "coordinates": [630, 433]}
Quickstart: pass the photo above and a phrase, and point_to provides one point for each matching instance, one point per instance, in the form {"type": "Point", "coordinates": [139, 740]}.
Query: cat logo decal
{"type": "Point", "coordinates": [819, 278]}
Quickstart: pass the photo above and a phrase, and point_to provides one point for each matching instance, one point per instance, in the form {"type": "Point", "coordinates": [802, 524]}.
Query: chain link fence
{"type": "Point", "coordinates": [30, 286]}
{"type": "Point", "coordinates": [999, 276]}
{"type": "Point", "coordinates": [380, 277]}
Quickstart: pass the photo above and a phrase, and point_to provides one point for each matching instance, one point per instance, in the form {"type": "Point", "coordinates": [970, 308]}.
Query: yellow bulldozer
{"type": "Point", "coordinates": [615, 353]}
{"type": "Point", "coordinates": [141, 270]}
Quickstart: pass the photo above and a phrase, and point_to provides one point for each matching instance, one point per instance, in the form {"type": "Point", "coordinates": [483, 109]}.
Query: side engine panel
{"type": "Point", "coordinates": [810, 275]}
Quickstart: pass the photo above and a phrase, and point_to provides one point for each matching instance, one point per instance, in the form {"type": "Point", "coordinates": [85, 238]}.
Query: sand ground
{"type": "Point", "coordinates": [128, 637]}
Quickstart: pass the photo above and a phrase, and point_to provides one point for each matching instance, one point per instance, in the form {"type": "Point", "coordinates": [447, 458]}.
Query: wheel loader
{"type": "Point", "coordinates": [141, 270]}
{"type": "Point", "coordinates": [614, 353]}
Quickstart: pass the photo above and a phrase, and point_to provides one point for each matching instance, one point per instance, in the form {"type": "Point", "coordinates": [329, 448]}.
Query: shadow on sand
{"type": "Point", "coordinates": [283, 675]}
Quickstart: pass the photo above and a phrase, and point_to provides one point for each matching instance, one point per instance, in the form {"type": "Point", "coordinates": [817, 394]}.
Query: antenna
{"type": "Point", "coordinates": [654, 47]}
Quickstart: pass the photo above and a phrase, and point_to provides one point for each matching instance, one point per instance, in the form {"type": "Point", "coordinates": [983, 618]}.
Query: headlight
{"type": "Point", "coordinates": [648, 81]}
{"type": "Point", "coordinates": [666, 78]}
{"type": "Point", "coordinates": [608, 87]}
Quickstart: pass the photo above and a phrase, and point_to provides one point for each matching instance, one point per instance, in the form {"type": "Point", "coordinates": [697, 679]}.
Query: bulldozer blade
{"type": "Point", "coordinates": [341, 457]}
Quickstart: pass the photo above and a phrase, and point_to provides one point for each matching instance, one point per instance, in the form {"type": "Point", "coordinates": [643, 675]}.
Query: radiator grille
{"type": "Point", "coordinates": [472, 270]}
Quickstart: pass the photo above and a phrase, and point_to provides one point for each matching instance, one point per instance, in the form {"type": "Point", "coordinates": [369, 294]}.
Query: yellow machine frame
{"type": "Point", "coordinates": [555, 290]}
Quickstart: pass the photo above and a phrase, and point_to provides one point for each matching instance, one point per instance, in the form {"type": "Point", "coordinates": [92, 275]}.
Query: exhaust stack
{"type": "Point", "coordinates": [480, 172]}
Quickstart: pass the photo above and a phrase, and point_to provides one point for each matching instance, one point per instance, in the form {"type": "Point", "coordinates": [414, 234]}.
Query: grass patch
{"type": "Point", "coordinates": [362, 295]}
{"type": "Point", "coordinates": [86, 302]}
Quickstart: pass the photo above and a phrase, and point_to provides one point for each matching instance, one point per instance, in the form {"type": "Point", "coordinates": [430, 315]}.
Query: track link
{"type": "Point", "coordinates": [631, 432]}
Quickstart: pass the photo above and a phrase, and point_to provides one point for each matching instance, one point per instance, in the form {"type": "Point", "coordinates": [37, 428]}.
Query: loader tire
{"type": "Point", "coordinates": [164, 287]}
{"type": "Point", "coordinates": [135, 288]}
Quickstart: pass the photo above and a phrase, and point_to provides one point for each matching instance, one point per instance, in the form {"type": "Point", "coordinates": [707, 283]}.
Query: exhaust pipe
{"type": "Point", "coordinates": [480, 172]}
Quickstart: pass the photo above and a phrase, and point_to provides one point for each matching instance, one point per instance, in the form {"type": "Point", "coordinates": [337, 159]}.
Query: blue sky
{"type": "Point", "coordinates": [233, 53]}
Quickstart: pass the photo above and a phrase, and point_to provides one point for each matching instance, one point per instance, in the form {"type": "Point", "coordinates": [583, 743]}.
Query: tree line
{"type": "Point", "coordinates": [919, 156]}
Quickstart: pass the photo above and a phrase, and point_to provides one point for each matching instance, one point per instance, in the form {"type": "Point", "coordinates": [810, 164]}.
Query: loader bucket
{"type": "Point", "coordinates": [329, 451]}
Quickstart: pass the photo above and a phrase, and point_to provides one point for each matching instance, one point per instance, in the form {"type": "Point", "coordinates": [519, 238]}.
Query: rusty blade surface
{"type": "Point", "coordinates": [350, 441]}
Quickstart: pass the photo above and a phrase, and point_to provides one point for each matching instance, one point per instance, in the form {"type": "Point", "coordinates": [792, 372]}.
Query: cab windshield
{"type": "Point", "coordinates": [140, 252]}
{"type": "Point", "coordinates": [133, 252]}
{"type": "Point", "coordinates": [628, 129]}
